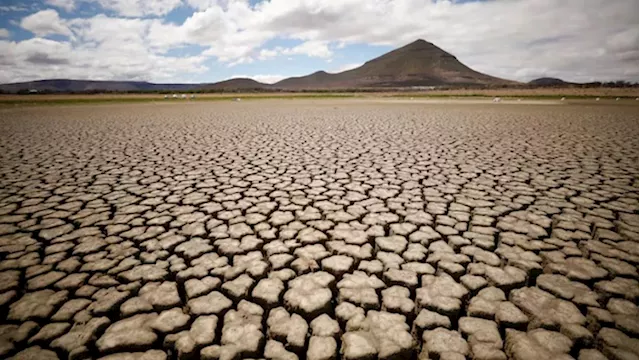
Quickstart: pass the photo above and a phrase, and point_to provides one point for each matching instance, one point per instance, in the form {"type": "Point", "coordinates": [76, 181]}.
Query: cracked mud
{"type": "Point", "coordinates": [319, 230]}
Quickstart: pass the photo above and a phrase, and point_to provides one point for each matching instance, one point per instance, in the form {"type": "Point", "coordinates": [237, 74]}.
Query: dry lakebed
{"type": "Point", "coordinates": [320, 229]}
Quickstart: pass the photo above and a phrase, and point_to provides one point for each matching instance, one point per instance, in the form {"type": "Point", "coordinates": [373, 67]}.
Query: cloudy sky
{"type": "Point", "coordinates": [213, 40]}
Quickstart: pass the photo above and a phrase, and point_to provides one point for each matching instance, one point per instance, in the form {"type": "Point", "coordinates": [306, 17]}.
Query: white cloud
{"type": "Point", "coordinates": [318, 49]}
{"type": "Point", "coordinates": [67, 5]}
{"type": "Point", "coordinates": [45, 22]}
{"type": "Point", "coordinates": [36, 56]}
{"type": "Point", "coordinates": [4, 33]}
{"type": "Point", "coordinates": [211, 24]}
{"type": "Point", "coordinates": [346, 67]}
{"type": "Point", "coordinates": [205, 4]}
{"type": "Point", "coordinates": [267, 54]}
{"type": "Point", "coordinates": [39, 58]}
{"type": "Point", "coordinates": [112, 31]}
{"type": "Point", "coordinates": [310, 48]}
{"type": "Point", "coordinates": [202, 4]}
{"type": "Point", "coordinates": [13, 8]}
{"type": "Point", "coordinates": [265, 79]}
{"type": "Point", "coordinates": [101, 48]}
{"type": "Point", "coordinates": [137, 8]}
{"type": "Point", "coordinates": [43, 51]}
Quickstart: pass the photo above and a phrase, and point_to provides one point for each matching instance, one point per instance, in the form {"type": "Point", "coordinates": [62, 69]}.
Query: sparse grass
{"type": "Point", "coordinates": [510, 96]}
{"type": "Point", "coordinates": [67, 101]}
{"type": "Point", "coordinates": [44, 100]}
{"type": "Point", "coordinates": [528, 94]}
{"type": "Point", "coordinates": [534, 93]}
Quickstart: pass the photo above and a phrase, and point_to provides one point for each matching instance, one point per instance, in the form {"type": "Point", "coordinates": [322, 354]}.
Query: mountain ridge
{"type": "Point", "coordinates": [549, 81]}
{"type": "Point", "coordinates": [419, 63]}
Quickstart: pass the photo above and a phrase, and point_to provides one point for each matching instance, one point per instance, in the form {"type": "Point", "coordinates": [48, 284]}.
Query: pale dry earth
{"type": "Point", "coordinates": [319, 230]}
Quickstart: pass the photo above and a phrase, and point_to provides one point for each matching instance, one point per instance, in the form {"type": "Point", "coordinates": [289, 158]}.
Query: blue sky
{"type": "Point", "coordinates": [213, 40]}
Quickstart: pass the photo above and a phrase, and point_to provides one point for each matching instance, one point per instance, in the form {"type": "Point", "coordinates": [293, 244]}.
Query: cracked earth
{"type": "Point", "coordinates": [319, 230]}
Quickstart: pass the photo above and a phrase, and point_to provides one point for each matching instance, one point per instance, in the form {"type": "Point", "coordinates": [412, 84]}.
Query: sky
{"type": "Point", "coordinates": [197, 41]}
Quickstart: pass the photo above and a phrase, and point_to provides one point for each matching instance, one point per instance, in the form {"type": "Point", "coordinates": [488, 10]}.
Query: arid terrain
{"type": "Point", "coordinates": [320, 229]}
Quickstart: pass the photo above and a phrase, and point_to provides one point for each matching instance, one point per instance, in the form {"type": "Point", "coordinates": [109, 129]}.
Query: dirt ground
{"type": "Point", "coordinates": [320, 229]}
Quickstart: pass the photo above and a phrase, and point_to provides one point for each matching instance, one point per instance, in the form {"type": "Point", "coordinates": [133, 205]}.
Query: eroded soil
{"type": "Point", "coordinates": [319, 230]}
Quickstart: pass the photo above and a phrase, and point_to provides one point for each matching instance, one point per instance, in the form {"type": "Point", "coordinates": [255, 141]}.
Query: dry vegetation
{"type": "Point", "coordinates": [536, 92]}
{"type": "Point", "coordinates": [575, 93]}
{"type": "Point", "coordinates": [154, 96]}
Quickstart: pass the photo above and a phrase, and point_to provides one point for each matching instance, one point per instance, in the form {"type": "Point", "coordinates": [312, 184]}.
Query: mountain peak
{"type": "Point", "coordinates": [424, 46]}
{"type": "Point", "coordinates": [421, 42]}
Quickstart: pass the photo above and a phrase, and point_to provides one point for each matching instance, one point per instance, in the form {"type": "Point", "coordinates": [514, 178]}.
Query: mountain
{"type": "Point", "coordinates": [237, 83]}
{"type": "Point", "coordinates": [317, 80]}
{"type": "Point", "coordinates": [66, 85]}
{"type": "Point", "coordinates": [417, 64]}
{"type": "Point", "coordinates": [548, 81]}
{"type": "Point", "coordinates": [420, 63]}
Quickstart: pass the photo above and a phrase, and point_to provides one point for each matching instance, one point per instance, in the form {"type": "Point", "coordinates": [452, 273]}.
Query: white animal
{"type": "Point", "coordinates": [496, 99]}
{"type": "Point", "coordinates": [175, 96]}
{"type": "Point", "coordinates": [598, 99]}
{"type": "Point", "coordinates": [236, 99]}
{"type": "Point", "coordinates": [192, 96]}
{"type": "Point", "coordinates": [617, 98]}
{"type": "Point", "coordinates": [166, 96]}
{"type": "Point", "coordinates": [184, 96]}
{"type": "Point", "coordinates": [562, 99]}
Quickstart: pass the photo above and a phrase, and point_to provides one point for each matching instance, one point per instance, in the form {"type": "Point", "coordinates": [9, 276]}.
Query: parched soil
{"type": "Point", "coordinates": [319, 230]}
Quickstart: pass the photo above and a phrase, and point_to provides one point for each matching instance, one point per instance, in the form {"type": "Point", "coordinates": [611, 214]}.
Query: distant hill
{"type": "Point", "coordinates": [417, 64]}
{"type": "Point", "coordinates": [420, 63]}
{"type": "Point", "coordinates": [66, 85]}
{"type": "Point", "coordinates": [549, 81]}
{"type": "Point", "coordinates": [317, 80]}
{"type": "Point", "coordinates": [237, 83]}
